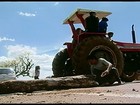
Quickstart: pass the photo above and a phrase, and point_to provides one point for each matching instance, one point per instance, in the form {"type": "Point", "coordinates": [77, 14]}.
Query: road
{"type": "Point", "coordinates": [126, 93]}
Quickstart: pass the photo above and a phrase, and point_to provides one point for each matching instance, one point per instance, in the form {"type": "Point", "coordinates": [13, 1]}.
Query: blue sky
{"type": "Point", "coordinates": [37, 26]}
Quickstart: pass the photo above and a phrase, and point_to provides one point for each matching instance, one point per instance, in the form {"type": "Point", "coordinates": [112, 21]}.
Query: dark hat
{"type": "Point", "coordinates": [105, 19]}
{"type": "Point", "coordinates": [92, 12]}
{"type": "Point", "coordinates": [37, 67]}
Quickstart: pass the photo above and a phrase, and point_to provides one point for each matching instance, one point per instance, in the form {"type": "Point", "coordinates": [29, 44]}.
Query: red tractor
{"type": "Point", "coordinates": [72, 60]}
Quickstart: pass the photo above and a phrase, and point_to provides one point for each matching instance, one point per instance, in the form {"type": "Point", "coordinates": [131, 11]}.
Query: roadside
{"type": "Point", "coordinates": [126, 93]}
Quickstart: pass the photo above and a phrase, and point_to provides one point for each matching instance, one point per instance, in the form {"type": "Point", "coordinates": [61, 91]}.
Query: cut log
{"type": "Point", "coordinates": [49, 83]}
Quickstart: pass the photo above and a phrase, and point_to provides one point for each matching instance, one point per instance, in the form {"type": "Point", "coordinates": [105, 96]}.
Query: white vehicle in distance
{"type": "Point", "coordinates": [7, 74]}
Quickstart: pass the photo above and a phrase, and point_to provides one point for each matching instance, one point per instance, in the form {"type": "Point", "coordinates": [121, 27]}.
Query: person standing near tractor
{"type": "Point", "coordinates": [37, 72]}
{"type": "Point", "coordinates": [91, 22]}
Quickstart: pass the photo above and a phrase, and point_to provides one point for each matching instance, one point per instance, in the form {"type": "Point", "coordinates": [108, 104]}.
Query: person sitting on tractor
{"type": "Point", "coordinates": [103, 25]}
{"type": "Point", "coordinates": [91, 23]}
{"type": "Point", "coordinates": [78, 32]}
{"type": "Point", "coordinates": [103, 71]}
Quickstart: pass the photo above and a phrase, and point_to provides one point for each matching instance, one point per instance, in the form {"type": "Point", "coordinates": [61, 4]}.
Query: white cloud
{"type": "Point", "coordinates": [6, 39]}
{"type": "Point", "coordinates": [17, 50]}
{"type": "Point", "coordinates": [56, 3]}
{"type": "Point", "coordinates": [43, 60]}
{"type": "Point", "coordinates": [4, 58]}
{"type": "Point", "coordinates": [27, 14]}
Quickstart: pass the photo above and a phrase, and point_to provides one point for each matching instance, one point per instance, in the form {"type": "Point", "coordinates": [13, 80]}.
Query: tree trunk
{"type": "Point", "coordinates": [47, 84]}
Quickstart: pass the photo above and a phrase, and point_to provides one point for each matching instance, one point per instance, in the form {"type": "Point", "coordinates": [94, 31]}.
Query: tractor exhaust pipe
{"type": "Point", "coordinates": [133, 34]}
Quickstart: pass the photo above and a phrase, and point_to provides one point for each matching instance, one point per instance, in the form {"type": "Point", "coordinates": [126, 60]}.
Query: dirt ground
{"type": "Point", "coordinates": [126, 93]}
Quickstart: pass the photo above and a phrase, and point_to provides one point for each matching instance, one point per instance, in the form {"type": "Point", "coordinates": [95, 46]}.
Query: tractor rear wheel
{"type": "Point", "coordinates": [102, 47]}
{"type": "Point", "coordinates": [61, 65]}
{"type": "Point", "coordinates": [129, 76]}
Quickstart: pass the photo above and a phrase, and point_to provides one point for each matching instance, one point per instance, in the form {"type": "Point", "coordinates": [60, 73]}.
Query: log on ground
{"type": "Point", "coordinates": [49, 83]}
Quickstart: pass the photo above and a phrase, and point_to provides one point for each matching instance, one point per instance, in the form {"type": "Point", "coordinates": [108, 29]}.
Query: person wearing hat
{"type": "Point", "coordinates": [91, 22]}
{"type": "Point", "coordinates": [103, 25]}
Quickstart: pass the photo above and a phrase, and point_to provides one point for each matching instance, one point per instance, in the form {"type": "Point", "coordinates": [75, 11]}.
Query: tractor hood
{"type": "Point", "coordinates": [85, 12]}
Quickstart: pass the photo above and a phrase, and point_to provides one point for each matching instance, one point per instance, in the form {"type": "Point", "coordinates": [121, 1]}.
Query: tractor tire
{"type": "Point", "coordinates": [102, 47]}
{"type": "Point", "coordinates": [61, 65]}
{"type": "Point", "coordinates": [129, 76]}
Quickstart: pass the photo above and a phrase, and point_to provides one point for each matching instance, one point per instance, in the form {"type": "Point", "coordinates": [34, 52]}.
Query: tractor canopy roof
{"type": "Point", "coordinates": [85, 12]}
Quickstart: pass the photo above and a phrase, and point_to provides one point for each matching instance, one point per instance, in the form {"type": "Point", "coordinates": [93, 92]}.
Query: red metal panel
{"type": "Point", "coordinates": [132, 47]}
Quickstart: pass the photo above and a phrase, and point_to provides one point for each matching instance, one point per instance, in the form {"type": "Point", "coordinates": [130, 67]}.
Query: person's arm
{"type": "Point", "coordinates": [109, 66]}
{"type": "Point", "coordinates": [85, 22]}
